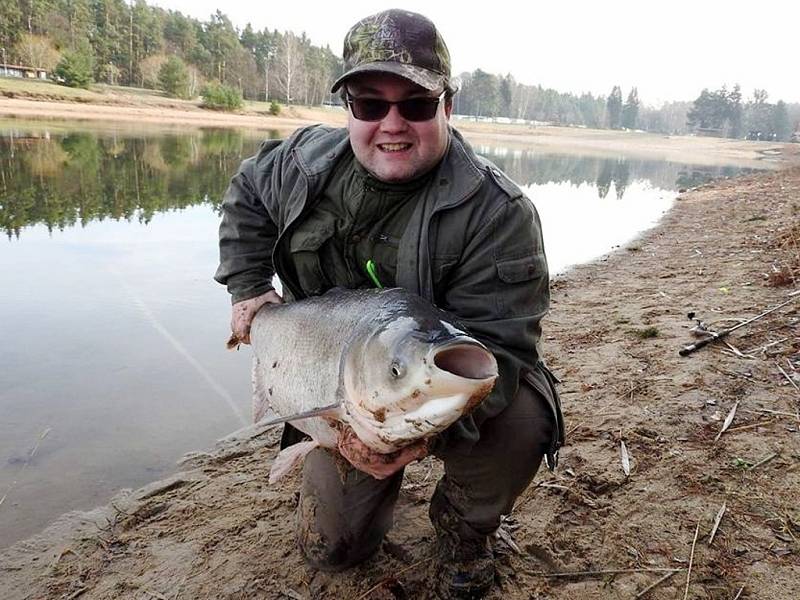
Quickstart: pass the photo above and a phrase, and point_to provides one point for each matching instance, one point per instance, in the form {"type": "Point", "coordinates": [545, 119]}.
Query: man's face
{"type": "Point", "coordinates": [395, 149]}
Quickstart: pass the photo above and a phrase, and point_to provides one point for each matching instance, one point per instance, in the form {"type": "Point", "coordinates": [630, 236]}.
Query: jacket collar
{"type": "Point", "coordinates": [457, 177]}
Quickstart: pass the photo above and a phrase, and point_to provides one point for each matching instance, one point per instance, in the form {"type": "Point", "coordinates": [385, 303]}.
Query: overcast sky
{"type": "Point", "coordinates": [669, 50]}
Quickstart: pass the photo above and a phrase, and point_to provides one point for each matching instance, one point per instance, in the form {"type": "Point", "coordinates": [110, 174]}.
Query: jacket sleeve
{"type": "Point", "coordinates": [247, 234]}
{"type": "Point", "coordinates": [499, 290]}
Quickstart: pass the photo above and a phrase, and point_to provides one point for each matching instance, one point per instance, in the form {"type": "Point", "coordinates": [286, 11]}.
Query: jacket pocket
{"type": "Point", "coordinates": [522, 289]}
{"type": "Point", "coordinates": [517, 270]}
{"type": "Point", "coordinates": [304, 248]}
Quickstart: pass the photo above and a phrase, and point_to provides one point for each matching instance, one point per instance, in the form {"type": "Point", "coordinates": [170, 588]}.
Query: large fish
{"type": "Point", "coordinates": [385, 364]}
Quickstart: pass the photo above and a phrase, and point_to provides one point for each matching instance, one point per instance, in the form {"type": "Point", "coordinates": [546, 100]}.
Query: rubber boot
{"type": "Point", "coordinates": [465, 569]}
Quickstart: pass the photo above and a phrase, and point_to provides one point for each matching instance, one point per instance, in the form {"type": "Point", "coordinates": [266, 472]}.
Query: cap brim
{"type": "Point", "coordinates": [424, 78]}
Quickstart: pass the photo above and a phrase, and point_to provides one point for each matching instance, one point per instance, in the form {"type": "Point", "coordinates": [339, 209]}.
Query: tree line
{"type": "Point", "coordinates": [146, 46]}
{"type": "Point", "coordinates": [140, 45]}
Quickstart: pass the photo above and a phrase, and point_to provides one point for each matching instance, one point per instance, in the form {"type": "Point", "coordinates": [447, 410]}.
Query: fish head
{"type": "Point", "coordinates": [412, 377]}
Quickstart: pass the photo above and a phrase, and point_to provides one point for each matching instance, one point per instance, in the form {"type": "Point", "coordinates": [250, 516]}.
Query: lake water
{"type": "Point", "coordinates": [112, 360]}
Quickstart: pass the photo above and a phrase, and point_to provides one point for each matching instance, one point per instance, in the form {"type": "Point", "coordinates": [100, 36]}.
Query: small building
{"type": "Point", "coordinates": [21, 71]}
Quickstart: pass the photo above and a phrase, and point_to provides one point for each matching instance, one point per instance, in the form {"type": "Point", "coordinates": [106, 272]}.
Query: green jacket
{"type": "Point", "coordinates": [473, 247]}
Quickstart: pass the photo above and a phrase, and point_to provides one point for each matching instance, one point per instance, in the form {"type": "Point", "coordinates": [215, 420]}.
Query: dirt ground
{"type": "Point", "coordinates": [726, 252]}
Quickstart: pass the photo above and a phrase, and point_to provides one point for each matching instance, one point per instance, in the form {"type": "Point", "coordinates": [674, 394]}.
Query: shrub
{"type": "Point", "coordinates": [75, 68]}
{"type": "Point", "coordinates": [274, 108]}
{"type": "Point", "coordinates": [221, 97]}
{"type": "Point", "coordinates": [173, 78]}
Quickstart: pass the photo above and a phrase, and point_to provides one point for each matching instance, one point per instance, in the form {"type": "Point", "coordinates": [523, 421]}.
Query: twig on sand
{"type": "Point", "coordinates": [717, 521]}
{"type": "Point", "coordinates": [739, 593]}
{"type": "Point", "coordinates": [728, 421]}
{"type": "Point", "coordinates": [601, 572]}
{"type": "Point", "coordinates": [655, 584]}
{"type": "Point", "coordinates": [771, 412]}
{"type": "Point", "coordinates": [400, 572]}
{"type": "Point", "coordinates": [766, 459]}
{"type": "Point", "coordinates": [789, 379]}
{"type": "Point", "coordinates": [691, 561]}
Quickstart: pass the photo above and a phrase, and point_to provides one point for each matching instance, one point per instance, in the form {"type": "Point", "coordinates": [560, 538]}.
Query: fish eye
{"type": "Point", "coordinates": [397, 370]}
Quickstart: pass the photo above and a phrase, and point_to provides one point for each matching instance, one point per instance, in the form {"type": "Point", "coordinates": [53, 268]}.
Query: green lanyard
{"type": "Point", "coordinates": [372, 271]}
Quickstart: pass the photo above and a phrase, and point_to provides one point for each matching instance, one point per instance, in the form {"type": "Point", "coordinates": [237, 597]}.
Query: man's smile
{"type": "Point", "coordinates": [400, 147]}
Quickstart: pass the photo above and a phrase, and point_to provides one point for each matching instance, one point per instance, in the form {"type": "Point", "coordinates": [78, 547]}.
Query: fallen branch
{"type": "Point", "coordinates": [691, 561]}
{"type": "Point", "coordinates": [602, 572]}
{"type": "Point", "coordinates": [766, 459]}
{"type": "Point", "coordinates": [655, 584]}
{"type": "Point", "coordinates": [789, 379]}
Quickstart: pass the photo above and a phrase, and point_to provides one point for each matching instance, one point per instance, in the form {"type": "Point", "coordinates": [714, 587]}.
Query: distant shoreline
{"type": "Point", "coordinates": [44, 102]}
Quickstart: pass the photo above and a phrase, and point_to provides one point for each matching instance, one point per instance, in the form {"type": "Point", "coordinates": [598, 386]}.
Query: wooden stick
{"type": "Point", "coordinates": [400, 572]}
{"type": "Point", "coordinates": [766, 459]}
{"type": "Point", "coordinates": [789, 379]}
{"type": "Point", "coordinates": [604, 572]}
{"type": "Point", "coordinates": [691, 561]}
{"type": "Point", "coordinates": [772, 412]}
{"type": "Point", "coordinates": [655, 584]}
{"type": "Point", "coordinates": [739, 593]}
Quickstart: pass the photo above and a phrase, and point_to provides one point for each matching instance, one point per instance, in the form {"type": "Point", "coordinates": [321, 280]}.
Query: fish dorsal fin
{"type": "Point", "coordinates": [289, 458]}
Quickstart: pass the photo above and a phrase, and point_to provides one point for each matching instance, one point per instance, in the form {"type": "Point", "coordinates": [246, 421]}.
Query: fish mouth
{"type": "Point", "coordinates": [467, 360]}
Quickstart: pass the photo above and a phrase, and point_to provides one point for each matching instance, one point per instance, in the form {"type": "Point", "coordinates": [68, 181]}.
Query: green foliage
{"type": "Point", "coordinates": [614, 108]}
{"type": "Point", "coordinates": [274, 108]}
{"type": "Point", "coordinates": [173, 78]}
{"type": "Point", "coordinates": [76, 67]}
{"type": "Point", "coordinates": [221, 97]}
{"type": "Point", "coordinates": [630, 111]}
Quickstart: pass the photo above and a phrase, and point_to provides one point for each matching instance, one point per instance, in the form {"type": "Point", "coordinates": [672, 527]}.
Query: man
{"type": "Point", "coordinates": [399, 199]}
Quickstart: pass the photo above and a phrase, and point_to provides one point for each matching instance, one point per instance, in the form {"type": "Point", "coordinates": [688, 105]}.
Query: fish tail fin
{"type": "Point", "coordinates": [289, 458]}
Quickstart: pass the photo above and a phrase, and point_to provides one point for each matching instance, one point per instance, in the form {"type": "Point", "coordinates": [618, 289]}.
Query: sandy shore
{"type": "Point", "coordinates": [727, 251]}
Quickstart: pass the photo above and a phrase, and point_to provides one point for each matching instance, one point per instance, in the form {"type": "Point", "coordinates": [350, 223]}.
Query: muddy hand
{"type": "Point", "coordinates": [379, 466]}
{"type": "Point", "coordinates": [242, 315]}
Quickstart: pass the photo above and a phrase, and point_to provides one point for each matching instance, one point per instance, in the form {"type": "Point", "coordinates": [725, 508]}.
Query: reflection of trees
{"type": "Point", "coordinates": [529, 167]}
{"type": "Point", "coordinates": [78, 178]}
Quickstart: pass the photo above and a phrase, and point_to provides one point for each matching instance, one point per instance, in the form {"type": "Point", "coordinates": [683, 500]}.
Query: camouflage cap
{"type": "Point", "coordinates": [399, 42]}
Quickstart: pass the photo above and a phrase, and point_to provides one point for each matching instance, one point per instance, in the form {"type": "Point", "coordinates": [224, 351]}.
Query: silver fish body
{"type": "Point", "coordinates": [386, 363]}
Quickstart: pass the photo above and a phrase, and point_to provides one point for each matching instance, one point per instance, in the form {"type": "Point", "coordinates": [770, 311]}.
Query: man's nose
{"type": "Point", "coordinates": [393, 121]}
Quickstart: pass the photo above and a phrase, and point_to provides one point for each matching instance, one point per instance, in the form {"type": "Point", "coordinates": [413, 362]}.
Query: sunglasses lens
{"type": "Point", "coordinates": [413, 109]}
{"type": "Point", "coordinates": [418, 109]}
{"type": "Point", "coordinates": [369, 109]}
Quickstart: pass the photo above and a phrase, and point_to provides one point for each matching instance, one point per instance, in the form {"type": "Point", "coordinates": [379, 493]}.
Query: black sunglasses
{"type": "Point", "coordinates": [411, 109]}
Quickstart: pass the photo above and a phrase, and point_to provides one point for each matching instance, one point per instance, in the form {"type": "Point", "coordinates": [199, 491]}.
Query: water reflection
{"type": "Point", "coordinates": [534, 167]}
{"type": "Point", "coordinates": [80, 177]}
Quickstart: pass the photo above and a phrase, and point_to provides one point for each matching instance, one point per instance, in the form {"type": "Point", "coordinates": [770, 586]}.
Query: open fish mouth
{"type": "Point", "coordinates": [467, 360]}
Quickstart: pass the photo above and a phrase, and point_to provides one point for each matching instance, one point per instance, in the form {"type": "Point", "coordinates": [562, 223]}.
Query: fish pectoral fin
{"type": "Point", "coordinates": [289, 458]}
{"type": "Point", "coordinates": [332, 410]}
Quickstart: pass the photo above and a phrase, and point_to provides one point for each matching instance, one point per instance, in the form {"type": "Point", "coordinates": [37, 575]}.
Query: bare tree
{"type": "Point", "coordinates": [289, 67]}
{"type": "Point", "coordinates": [37, 51]}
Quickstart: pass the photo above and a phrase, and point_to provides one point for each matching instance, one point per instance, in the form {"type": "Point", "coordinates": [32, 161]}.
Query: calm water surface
{"type": "Point", "coordinates": [112, 354]}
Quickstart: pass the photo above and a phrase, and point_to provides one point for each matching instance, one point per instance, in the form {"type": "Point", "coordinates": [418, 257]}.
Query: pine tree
{"type": "Point", "coordinates": [630, 111]}
{"type": "Point", "coordinates": [614, 108]}
{"type": "Point", "coordinates": [173, 78]}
